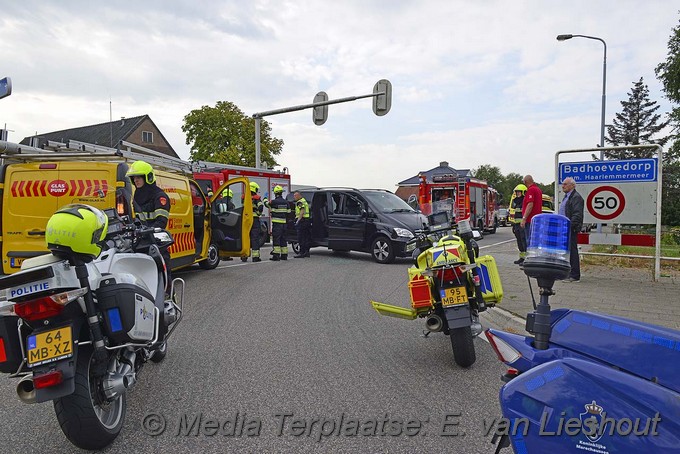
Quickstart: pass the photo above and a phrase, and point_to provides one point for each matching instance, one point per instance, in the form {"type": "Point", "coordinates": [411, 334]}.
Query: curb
{"type": "Point", "coordinates": [504, 320]}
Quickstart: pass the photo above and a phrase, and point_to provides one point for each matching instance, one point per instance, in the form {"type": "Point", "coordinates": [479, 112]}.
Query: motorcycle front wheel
{"type": "Point", "coordinates": [86, 419]}
{"type": "Point", "coordinates": [463, 346]}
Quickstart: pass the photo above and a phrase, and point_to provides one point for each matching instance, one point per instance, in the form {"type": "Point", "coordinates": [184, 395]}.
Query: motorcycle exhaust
{"type": "Point", "coordinates": [26, 390]}
{"type": "Point", "coordinates": [434, 323]}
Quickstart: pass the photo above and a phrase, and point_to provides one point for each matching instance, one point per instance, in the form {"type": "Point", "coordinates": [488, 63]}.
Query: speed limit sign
{"type": "Point", "coordinates": [606, 203]}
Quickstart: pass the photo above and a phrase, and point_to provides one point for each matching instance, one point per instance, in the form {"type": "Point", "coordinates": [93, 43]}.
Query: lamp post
{"type": "Point", "coordinates": [604, 81]}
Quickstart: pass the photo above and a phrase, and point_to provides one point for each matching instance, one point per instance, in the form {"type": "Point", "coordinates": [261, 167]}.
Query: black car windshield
{"type": "Point", "coordinates": [387, 202]}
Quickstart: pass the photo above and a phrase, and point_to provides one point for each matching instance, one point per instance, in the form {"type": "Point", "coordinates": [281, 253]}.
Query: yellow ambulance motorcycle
{"type": "Point", "coordinates": [449, 284]}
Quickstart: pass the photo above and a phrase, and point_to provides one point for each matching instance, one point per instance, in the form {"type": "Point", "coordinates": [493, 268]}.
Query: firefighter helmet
{"type": "Point", "coordinates": [227, 193]}
{"type": "Point", "coordinates": [76, 228]}
{"type": "Point", "coordinates": [141, 168]}
{"type": "Point", "coordinates": [278, 189]}
{"type": "Point", "coordinates": [254, 187]}
{"type": "Point", "coordinates": [520, 187]}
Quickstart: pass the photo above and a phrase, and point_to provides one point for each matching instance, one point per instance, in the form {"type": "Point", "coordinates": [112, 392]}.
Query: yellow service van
{"type": "Point", "coordinates": [34, 185]}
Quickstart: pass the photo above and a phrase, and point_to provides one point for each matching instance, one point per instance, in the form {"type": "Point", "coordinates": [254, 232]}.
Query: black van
{"type": "Point", "coordinates": [367, 220]}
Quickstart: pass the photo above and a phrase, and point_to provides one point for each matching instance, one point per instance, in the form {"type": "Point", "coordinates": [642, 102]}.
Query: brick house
{"type": "Point", "coordinates": [140, 130]}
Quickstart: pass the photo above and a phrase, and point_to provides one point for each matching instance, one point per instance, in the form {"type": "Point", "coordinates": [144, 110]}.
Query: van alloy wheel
{"type": "Point", "coordinates": [382, 250]}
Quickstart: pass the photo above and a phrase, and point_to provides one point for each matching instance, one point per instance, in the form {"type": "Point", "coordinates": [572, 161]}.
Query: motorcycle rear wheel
{"type": "Point", "coordinates": [463, 346]}
{"type": "Point", "coordinates": [86, 420]}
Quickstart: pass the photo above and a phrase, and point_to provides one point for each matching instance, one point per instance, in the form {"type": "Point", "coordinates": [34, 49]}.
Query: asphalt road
{"type": "Point", "coordinates": [290, 352]}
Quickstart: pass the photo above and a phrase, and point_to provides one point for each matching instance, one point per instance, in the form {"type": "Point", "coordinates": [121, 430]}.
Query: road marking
{"type": "Point", "coordinates": [243, 264]}
{"type": "Point", "coordinates": [497, 244]}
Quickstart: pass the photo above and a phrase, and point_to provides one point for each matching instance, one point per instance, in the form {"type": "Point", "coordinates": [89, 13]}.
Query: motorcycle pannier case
{"type": "Point", "coordinates": [490, 280]}
{"type": "Point", "coordinates": [10, 344]}
{"type": "Point", "coordinates": [128, 311]}
{"type": "Point", "coordinates": [419, 289]}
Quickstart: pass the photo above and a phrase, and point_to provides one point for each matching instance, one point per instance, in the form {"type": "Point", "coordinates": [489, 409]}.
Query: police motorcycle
{"type": "Point", "coordinates": [449, 284]}
{"type": "Point", "coordinates": [584, 381]}
{"type": "Point", "coordinates": [77, 325]}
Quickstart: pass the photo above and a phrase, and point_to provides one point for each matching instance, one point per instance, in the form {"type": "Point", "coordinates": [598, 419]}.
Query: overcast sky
{"type": "Point", "coordinates": [474, 82]}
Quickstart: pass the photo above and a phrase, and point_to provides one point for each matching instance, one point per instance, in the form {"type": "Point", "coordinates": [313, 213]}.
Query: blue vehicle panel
{"type": "Point", "coordinates": [574, 405]}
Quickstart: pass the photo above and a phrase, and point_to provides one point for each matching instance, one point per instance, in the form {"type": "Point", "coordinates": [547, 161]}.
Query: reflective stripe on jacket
{"type": "Point", "coordinates": [279, 210]}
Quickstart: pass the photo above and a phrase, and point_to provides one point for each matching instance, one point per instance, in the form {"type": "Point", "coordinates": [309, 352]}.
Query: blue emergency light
{"type": "Point", "coordinates": [548, 248]}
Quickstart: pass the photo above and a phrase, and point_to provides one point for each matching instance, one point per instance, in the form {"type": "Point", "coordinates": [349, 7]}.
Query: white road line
{"type": "Point", "coordinates": [243, 264]}
{"type": "Point", "coordinates": [497, 244]}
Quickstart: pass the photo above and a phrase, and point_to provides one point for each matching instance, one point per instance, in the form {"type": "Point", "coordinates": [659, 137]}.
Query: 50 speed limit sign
{"type": "Point", "coordinates": [605, 203]}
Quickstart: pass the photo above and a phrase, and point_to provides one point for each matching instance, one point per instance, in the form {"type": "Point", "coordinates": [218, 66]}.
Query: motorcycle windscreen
{"type": "Point", "coordinates": [573, 405]}
{"type": "Point", "coordinates": [231, 217]}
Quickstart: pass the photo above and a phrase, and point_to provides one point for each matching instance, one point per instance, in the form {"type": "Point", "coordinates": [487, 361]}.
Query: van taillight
{"type": "Point", "coordinates": [47, 166]}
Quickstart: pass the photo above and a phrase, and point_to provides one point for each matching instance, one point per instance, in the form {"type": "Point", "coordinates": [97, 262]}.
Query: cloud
{"type": "Point", "coordinates": [473, 82]}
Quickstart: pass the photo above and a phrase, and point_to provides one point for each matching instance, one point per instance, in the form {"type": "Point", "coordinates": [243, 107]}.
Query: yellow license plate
{"type": "Point", "coordinates": [453, 296]}
{"type": "Point", "coordinates": [16, 262]}
{"type": "Point", "coordinates": [49, 346]}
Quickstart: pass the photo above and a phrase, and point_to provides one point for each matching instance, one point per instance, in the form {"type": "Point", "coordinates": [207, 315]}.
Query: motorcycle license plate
{"type": "Point", "coordinates": [49, 346]}
{"type": "Point", "coordinates": [453, 296]}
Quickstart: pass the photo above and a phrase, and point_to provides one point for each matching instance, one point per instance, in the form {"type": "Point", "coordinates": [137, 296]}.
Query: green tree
{"type": "Point", "coordinates": [636, 124]}
{"type": "Point", "coordinates": [668, 73]}
{"type": "Point", "coordinates": [225, 134]}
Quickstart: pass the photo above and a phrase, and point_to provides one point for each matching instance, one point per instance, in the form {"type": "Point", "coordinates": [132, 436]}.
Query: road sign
{"type": "Point", "coordinates": [620, 203]}
{"type": "Point", "coordinates": [606, 202]}
{"type": "Point", "coordinates": [5, 87]}
{"type": "Point", "coordinates": [628, 171]}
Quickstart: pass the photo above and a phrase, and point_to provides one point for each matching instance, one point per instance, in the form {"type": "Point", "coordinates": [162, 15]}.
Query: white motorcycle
{"type": "Point", "coordinates": [78, 330]}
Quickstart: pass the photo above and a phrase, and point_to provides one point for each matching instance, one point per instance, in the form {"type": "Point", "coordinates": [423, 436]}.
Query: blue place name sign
{"type": "Point", "coordinates": [631, 170]}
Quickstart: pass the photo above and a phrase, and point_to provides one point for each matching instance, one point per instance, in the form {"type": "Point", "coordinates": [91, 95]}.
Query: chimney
{"type": "Point", "coordinates": [443, 164]}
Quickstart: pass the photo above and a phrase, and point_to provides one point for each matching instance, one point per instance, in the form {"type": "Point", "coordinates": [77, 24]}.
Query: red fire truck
{"type": "Point", "coordinates": [210, 175]}
{"type": "Point", "coordinates": [464, 198]}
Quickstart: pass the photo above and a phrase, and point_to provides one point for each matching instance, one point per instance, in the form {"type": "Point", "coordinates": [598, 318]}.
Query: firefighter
{"type": "Point", "coordinates": [515, 217]}
{"type": "Point", "coordinates": [151, 203]}
{"type": "Point", "coordinates": [279, 211]}
{"type": "Point", "coordinates": [258, 208]}
{"type": "Point", "coordinates": [303, 225]}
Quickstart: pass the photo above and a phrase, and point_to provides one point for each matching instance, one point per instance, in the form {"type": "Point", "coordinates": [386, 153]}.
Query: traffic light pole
{"type": "Point", "coordinates": [382, 101]}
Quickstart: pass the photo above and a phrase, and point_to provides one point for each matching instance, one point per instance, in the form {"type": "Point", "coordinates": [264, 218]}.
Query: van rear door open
{"type": "Point", "coordinates": [34, 191]}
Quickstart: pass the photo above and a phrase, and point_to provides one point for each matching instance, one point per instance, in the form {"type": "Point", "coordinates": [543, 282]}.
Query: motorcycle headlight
{"type": "Point", "coordinates": [405, 233]}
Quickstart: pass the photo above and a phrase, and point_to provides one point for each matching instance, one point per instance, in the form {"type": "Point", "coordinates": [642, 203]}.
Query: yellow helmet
{"type": "Point", "coordinates": [278, 189]}
{"type": "Point", "coordinates": [227, 193]}
{"type": "Point", "coordinates": [520, 187]}
{"type": "Point", "coordinates": [76, 228]}
{"type": "Point", "coordinates": [254, 187]}
{"type": "Point", "coordinates": [141, 168]}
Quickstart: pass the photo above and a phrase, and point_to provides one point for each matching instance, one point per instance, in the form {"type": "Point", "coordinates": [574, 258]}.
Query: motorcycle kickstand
{"type": "Point", "coordinates": [426, 333]}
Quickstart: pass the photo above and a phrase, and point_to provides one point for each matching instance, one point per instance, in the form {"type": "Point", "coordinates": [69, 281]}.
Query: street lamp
{"type": "Point", "coordinates": [604, 81]}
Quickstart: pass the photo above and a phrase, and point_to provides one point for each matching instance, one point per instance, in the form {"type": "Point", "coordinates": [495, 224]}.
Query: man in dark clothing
{"type": "Point", "coordinates": [572, 207]}
{"type": "Point", "coordinates": [303, 225]}
{"type": "Point", "coordinates": [258, 208]}
{"type": "Point", "coordinates": [151, 203]}
{"type": "Point", "coordinates": [279, 210]}
{"type": "Point", "coordinates": [515, 217]}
